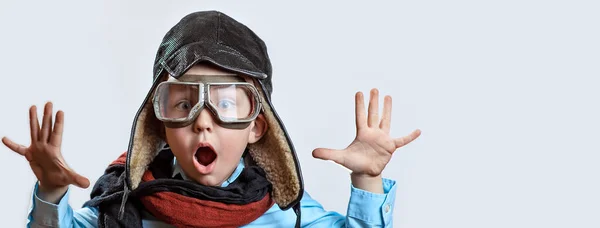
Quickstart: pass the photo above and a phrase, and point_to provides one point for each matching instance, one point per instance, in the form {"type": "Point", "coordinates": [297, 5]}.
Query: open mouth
{"type": "Point", "coordinates": [204, 158]}
{"type": "Point", "coordinates": [205, 155]}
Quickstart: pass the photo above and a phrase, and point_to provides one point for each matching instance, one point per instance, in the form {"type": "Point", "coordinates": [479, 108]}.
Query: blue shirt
{"type": "Point", "coordinates": [365, 209]}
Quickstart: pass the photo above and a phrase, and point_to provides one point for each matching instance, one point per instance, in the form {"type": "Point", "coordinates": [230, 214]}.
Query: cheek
{"type": "Point", "coordinates": [233, 143]}
{"type": "Point", "coordinates": [176, 138]}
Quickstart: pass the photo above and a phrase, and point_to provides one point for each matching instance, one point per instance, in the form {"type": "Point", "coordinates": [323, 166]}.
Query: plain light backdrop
{"type": "Point", "coordinates": [505, 93]}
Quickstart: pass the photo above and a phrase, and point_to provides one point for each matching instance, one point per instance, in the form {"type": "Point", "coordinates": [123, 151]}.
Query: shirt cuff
{"type": "Point", "coordinates": [46, 213]}
{"type": "Point", "coordinates": [373, 208]}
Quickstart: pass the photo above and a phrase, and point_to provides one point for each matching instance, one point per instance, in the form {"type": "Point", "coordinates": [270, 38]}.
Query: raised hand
{"type": "Point", "coordinates": [373, 146]}
{"type": "Point", "coordinates": [44, 155]}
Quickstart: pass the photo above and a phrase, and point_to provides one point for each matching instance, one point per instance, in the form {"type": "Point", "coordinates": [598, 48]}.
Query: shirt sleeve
{"type": "Point", "coordinates": [365, 209]}
{"type": "Point", "coordinates": [46, 214]}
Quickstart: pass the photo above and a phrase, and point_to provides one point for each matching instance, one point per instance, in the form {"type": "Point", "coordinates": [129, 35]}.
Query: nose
{"type": "Point", "coordinates": [204, 122]}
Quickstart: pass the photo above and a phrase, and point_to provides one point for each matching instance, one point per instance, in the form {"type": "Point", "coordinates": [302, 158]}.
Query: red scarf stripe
{"type": "Point", "coordinates": [121, 160]}
{"type": "Point", "coordinates": [184, 211]}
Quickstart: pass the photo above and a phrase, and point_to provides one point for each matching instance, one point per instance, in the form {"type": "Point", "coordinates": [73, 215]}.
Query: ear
{"type": "Point", "coordinates": [258, 129]}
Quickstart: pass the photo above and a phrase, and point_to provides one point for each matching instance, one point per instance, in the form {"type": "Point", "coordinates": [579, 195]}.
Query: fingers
{"type": "Point", "coordinates": [328, 154]}
{"type": "Point", "coordinates": [373, 116]}
{"type": "Point", "coordinates": [407, 139]}
{"type": "Point", "coordinates": [46, 123]}
{"type": "Point", "coordinates": [18, 148]}
{"type": "Point", "coordinates": [34, 124]}
{"type": "Point", "coordinates": [386, 119]}
{"type": "Point", "coordinates": [80, 181]}
{"type": "Point", "coordinates": [57, 132]}
{"type": "Point", "coordinates": [361, 119]}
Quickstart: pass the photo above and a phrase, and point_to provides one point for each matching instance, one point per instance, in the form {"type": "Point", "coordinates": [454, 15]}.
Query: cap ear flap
{"type": "Point", "coordinates": [148, 139]}
{"type": "Point", "coordinates": [274, 155]}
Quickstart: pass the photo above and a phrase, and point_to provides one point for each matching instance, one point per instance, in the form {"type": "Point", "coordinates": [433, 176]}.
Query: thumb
{"type": "Point", "coordinates": [328, 154]}
{"type": "Point", "coordinates": [80, 181]}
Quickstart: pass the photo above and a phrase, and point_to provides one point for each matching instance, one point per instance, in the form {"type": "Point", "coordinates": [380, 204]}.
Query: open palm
{"type": "Point", "coordinates": [373, 146]}
{"type": "Point", "coordinates": [44, 156]}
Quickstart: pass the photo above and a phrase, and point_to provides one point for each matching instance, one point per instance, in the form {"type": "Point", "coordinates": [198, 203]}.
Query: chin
{"type": "Point", "coordinates": [208, 180]}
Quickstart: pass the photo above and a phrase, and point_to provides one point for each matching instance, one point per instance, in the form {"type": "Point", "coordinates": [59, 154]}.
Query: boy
{"type": "Point", "coordinates": [207, 148]}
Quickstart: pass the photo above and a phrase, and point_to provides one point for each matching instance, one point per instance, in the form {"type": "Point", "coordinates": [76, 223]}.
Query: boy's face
{"type": "Point", "coordinates": [207, 152]}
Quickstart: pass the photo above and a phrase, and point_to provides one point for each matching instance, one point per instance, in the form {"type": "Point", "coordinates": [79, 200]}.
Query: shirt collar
{"type": "Point", "coordinates": [177, 170]}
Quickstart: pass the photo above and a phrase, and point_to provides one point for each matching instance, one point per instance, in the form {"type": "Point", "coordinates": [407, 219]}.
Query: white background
{"type": "Point", "coordinates": [505, 92]}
